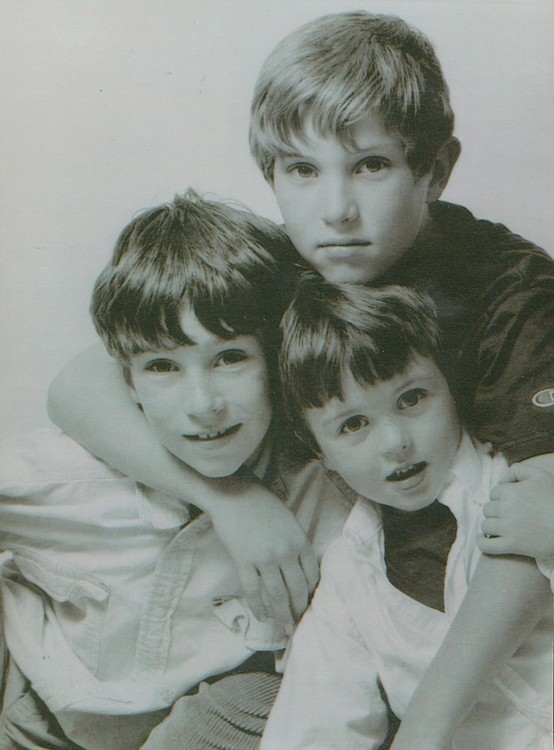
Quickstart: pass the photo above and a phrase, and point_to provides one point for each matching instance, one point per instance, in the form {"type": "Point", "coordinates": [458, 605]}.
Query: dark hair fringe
{"type": "Point", "coordinates": [330, 330]}
{"type": "Point", "coordinates": [229, 265]}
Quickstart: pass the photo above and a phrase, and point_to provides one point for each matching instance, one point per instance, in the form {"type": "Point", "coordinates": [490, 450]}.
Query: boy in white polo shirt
{"type": "Point", "coordinates": [118, 600]}
{"type": "Point", "coordinates": [374, 404]}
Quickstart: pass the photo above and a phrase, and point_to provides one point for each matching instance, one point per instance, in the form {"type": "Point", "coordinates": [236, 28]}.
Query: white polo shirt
{"type": "Point", "coordinates": [113, 602]}
{"type": "Point", "coordinates": [361, 632]}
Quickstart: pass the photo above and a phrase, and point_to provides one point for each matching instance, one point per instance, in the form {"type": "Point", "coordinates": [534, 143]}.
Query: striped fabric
{"type": "Point", "coordinates": [229, 714]}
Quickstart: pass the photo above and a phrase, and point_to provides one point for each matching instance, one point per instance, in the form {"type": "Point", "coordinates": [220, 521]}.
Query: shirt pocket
{"type": "Point", "coordinates": [78, 600]}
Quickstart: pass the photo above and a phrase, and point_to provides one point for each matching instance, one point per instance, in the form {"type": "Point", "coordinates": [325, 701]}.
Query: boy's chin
{"type": "Point", "coordinates": [341, 274]}
{"type": "Point", "coordinates": [211, 469]}
{"type": "Point", "coordinates": [216, 472]}
{"type": "Point", "coordinates": [408, 506]}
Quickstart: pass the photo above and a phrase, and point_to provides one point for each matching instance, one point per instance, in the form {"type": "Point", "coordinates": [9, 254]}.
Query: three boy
{"type": "Point", "coordinates": [352, 125]}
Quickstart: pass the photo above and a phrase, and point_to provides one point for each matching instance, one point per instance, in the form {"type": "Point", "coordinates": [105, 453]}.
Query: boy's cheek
{"type": "Point", "coordinates": [133, 392]}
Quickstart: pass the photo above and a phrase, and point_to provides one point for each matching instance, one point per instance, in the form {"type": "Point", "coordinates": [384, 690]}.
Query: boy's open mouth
{"type": "Point", "coordinates": [400, 475]}
{"type": "Point", "coordinates": [206, 436]}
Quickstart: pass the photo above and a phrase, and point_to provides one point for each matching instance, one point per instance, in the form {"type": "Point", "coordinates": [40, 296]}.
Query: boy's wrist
{"type": "Point", "coordinates": [227, 490]}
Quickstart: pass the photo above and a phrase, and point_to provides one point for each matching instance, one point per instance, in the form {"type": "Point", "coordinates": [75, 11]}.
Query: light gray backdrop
{"type": "Point", "coordinates": [110, 106]}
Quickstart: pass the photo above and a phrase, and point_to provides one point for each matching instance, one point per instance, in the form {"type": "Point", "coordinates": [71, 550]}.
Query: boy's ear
{"type": "Point", "coordinates": [446, 158]}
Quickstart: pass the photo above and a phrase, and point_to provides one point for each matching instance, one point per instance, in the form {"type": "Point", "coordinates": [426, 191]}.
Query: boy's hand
{"type": "Point", "coordinates": [519, 518]}
{"type": "Point", "coordinates": [275, 562]}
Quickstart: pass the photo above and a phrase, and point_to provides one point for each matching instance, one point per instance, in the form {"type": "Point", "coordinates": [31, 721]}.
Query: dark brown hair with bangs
{"type": "Point", "coordinates": [331, 329]}
{"type": "Point", "coordinates": [227, 264]}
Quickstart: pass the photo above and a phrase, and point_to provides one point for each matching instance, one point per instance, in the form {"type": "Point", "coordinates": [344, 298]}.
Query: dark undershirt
{"type": "Point", "coordinates": [417, 545]}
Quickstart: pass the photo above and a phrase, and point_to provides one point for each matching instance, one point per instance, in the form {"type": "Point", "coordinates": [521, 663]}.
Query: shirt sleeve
{"type": "Point", "coordinates": [330, 694]}
{"type": "Point", "coordinates": [514, 397]}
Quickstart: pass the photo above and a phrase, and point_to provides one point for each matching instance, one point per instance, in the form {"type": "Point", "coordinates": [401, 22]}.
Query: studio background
{"type": "Point", "coordinates": [112, 106]}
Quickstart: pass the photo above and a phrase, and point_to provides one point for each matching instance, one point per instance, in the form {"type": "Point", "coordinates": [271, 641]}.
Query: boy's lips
{"type": "Point", "coordinates": [343, 249]}
{"type": "Point", "coordinates": [407, 473]}
{"type": "Point", "coordinates": [344, 243]}
{"type": "Point", "coordinates": [206, 437]}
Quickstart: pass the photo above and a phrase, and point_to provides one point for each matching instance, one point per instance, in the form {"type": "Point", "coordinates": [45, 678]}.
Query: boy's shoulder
{"type": "Point", "coordinates": [47, 455]}
{"type": "Point", "coordinates": [320, 500]}
{"type": "Point", "coordinates": [477, 467]}
{"type": "Point", "coordinates": [481, 246]}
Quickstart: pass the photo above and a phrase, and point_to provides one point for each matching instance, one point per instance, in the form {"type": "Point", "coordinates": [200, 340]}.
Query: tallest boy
{"type": "Point", "coordinates": [353, 128]}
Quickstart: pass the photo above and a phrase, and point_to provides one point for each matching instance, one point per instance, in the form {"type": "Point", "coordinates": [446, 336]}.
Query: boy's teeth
{"type": "Point", "coordinates": [209, 435]}
{"type": "Point", "coordinates": [213, 435]}
{"type": "Point", "coordinates": [400, 474]}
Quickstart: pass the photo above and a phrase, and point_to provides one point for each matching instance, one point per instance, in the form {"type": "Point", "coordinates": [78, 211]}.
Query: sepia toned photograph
{"type": "Point", "coordinates": [277, 393]}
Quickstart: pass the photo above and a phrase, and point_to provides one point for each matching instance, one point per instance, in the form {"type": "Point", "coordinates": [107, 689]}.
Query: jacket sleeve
{"type": "Point", "coordinates": [514, 397]}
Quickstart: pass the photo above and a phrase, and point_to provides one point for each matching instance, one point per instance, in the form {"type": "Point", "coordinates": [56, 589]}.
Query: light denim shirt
{"type": "Point", "coordinates": [114, 603]}
{"type": "Point", "coordinates": [360, 632]}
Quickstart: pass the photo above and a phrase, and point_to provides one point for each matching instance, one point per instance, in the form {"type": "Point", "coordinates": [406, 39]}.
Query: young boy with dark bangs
{"type": "Point", "coordinates": [118, 601]}
{"type": "Point", "coordinates": [374, 404]}
{"type": "Point", "coordinates": [352, 127]}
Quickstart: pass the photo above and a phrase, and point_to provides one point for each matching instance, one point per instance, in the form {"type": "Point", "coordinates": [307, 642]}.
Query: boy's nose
{"type": "Point", "coordinates": [339, 206]}
{"type": "Point", "coordinates": [395, 440]}
{"type": "Point", "coordinates": [202, 399]}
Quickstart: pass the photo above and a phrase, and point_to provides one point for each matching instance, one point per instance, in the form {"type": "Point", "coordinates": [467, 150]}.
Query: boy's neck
{"type": "Point", "coordinates": [259, 462]}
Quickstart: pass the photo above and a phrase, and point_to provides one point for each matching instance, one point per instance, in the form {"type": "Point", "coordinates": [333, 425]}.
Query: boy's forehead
{"type": "Point", "coordinates": [365, 134]}
{"type": "Point", "coordinates": [420, 371]}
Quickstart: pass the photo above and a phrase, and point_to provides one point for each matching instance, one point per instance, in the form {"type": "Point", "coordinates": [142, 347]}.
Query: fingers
{"type": "Point", "coordinates": [509, 477]}
{"type": "Point", "coordinates": [297, 585]}
{"type": "Point", "coordinates": [310, 566]}
{"type": "Point", "coordinates": [278, 595]}
{"type": "Point", "coordinates": [281, 590]}
{"type": "Point", "coordinates": [491, 527]}
{"type": "Point", "coordinates": [525, 470]}
{"type": "Point", "coordinates": [251, 586]}
{"type": "Point", "coordinates": [491, 509]}
{"type": "Point", "coordinates": [493, 545]}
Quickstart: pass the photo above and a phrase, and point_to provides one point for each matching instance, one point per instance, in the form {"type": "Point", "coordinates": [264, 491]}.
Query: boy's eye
{"type": "Point", "coordinates": [304, 171]}
{"type": "Point", "coordinates": [161, 366]}
{"type": "Point", "coordinates": [352, 425]}
{"type": "Point", "coordinates": [411, 398]}
{"type": "Point", "coordinates": [372, 164]}
{"type": "Point", "coordinates": [230, 357]}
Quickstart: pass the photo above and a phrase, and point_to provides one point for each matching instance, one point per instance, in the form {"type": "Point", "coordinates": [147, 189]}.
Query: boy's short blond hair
{"type": "Point", "coordinates": [338, 68]}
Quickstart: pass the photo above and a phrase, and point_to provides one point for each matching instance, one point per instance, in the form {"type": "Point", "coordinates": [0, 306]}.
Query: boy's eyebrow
{"type": "Point", "coordinates": [414, 378]}
{"type": "Point", "coordinates": [417, 377]}
{"type": "Point", "coordinates": [338, 416]}
{"type": "Point", "coordinates": [354, 149]}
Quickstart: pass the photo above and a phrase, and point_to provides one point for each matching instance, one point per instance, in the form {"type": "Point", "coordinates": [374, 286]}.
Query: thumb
{"type": "Point", "coordinates": [525, 470]}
